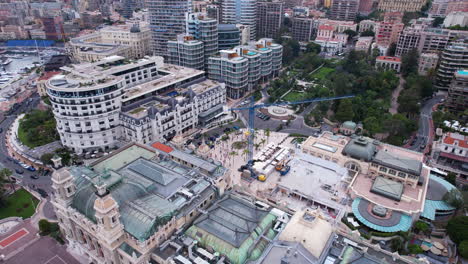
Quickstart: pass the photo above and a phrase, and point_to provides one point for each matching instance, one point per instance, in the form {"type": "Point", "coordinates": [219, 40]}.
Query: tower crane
{"type": "Point", "coordinates": [251, 118]}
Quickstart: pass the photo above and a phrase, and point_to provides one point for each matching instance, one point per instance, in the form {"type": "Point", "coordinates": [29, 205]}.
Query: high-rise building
{"type": "Point", "coordinates": [167, 20]}
{"type": "Point", "coordinates": [240, 12]}
{"type": "Point", "coordinates": [401, 5]}
{"type": "Point", "coordinates": [228, 36]}
{"type": "Point", "coordinates": [441, 8]}
{"type": "Point", "coordinates": [213, 11]}
{"type": "Point", "coordinates": [270, 18]}
{"type": "Point", "coordinates": [243, 67]}
{"type": "Point", "coordinates": [302, 28]}
{"type": "Point", "coordinates": [344, 10]}
{"type": "Point", "coordinates": [187, 52]}
{"type": "Point", "coordinates": [365, 6]}
{"type": "Point", "coordinates": [231, 69]}
{"type": "Point", "coordinates": [409, 38]}
{"type": "Point", "coordinates": [453, 58]}
{"type": "Point", "coordinates": [457, 99]}
{"type": "Point", "coordinates": [53, 27]}
{"type": "Point", "coordinates": [204, 29]}
{"type": "Point", "coordinates": [387, 31]}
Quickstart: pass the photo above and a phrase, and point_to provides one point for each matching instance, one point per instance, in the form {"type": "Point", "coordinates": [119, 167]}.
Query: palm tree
{"type": "Point", "coordinates": [246, 152]}
{"type": "Point", "coordinates": [267, 133]}
{"type": "Point", "coordinates": [256, 145]}
{"type": "Point", "coordinates": [6, 174]}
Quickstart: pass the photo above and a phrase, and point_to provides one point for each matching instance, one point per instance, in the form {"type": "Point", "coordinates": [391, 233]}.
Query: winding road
{"type": "Point", "coordinates": [425, 125]}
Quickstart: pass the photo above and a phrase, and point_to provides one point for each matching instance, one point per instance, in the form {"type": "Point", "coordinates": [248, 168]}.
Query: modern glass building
{"type": "Point", "coordinates": [167, 20]}
{"type": "Point", "coordinates": [228, 36]}
{"type": "Point", "coordinates": [240, 12]}
{"type": "Point", "coordinates": [187, 52]}
{"type": "Point", "coordinates": [204, 29]}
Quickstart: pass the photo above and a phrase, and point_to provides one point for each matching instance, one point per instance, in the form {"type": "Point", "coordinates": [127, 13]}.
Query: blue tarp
{"type": "Point", "coordinates": [30, 43]}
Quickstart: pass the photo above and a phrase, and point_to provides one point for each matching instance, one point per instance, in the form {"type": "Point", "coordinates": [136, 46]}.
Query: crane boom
{"type": "Point", "coordinates": [251, 108]}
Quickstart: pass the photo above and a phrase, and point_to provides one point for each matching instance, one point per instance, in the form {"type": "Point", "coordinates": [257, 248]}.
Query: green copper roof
{"type": "Point", "coordinates": [232, 227]}
{"type": "Point", "coordinates": [361, 148]}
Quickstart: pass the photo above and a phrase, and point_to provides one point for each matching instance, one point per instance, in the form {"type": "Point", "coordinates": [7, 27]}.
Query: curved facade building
{"type": "Point", "coordinates": [86, 100]}
{"type": "Point", "coordinates": [232, 70]}
{"type": "Point", "coordinates": [187, 52]}
{"type": "Point", "coordinates": [86, 108]}
{"type": "Point", "coordinates": [204, 29]}
{"type": "Point", "coordinates": [453, 58]}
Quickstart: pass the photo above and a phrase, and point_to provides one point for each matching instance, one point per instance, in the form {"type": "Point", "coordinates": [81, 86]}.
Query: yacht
{"type": "Point", "coordinates": [6, 62]}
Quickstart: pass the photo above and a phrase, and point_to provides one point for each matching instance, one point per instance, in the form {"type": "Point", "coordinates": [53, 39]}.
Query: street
{"type": "Point", "coordinates": [43, 182]}
{"type": "Point", "coordinates": [425, 124]}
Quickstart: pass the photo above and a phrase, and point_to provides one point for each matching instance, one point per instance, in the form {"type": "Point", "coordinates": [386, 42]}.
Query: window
{"type": "Point", "coordinates": [392, 172]}
{"type": "Point", "coordinates": [401, 174]}
{"type": "Point", "coordinates": [374, 165]}
{"type": "Point", "coordinates": [383, 169]}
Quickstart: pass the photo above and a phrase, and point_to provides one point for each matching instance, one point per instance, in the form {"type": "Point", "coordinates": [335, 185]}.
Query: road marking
{"type": "Point", "coordinates": [59, 258]}
{"type": "Point", "coordinates": [13, 238]}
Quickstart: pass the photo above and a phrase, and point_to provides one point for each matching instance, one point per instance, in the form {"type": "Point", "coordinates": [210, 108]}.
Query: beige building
{"type": "Point", "coordinates": [125, 205]}
{"type": "Point", "coordinates": [427, 62]}
{"type": "Point", "coordinates": [388, 63]}
{"type": "Point", "coordinates": [401, 5]}
{"type": "Point", "coordinates": [129, 41]}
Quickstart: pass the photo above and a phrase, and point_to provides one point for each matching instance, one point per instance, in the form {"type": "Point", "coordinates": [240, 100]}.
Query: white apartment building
{"type": "Point", "coordinates": [88, 100]}
{"type": "Point", "coordinates": [159, 118]}
{"type": "Point", "coordinates": [243, 67]}
{"type": "Point", "coordinates": [130, 41]}
{"type": "Point", "coordinates": [456, 18]}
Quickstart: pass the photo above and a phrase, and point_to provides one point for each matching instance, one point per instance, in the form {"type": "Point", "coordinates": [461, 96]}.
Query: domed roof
{"type": "Point", "coordinates": [360, 148]}
{"type": "Point", "coordinates": [349, 125]}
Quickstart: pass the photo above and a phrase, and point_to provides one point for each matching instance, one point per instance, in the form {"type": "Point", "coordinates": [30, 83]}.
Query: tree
{"type": "Point", "coordinates": [454, 198]}
{"type": "Point", "coordinates": [415, 249]}
{"type": "Point", "coordinates": [391, 50]}
{"type": "Point", "coordinates": [452, 178]}
{"type": "Point", "coordinates": [44, 226]}
{"type": "Point", "coordinates": [367, 33]}
{"type": "Point", "coordinates": [409, 62]}
{"type": "Point", "coordinates": [437, 21]}
{"type": "Point", "coordinates": [267, 133]}
{"type": "Point", "coordinates": [46, 158]}
{"type": "Point", "coordinates": [313, 47]}
{"type": "Point", "coordinates": [463, 249]}
{"type": "Point", "coordinates": [5, 174]}
{"type": "Point", "coordinates": [351, 33]}
{"type": "Point", "coordinates": [396, 244]}
{"type": "Point", "coordinates": [457, 229]}
{"type": "Point", "coordinates": [246, 153]}
{"type": "Point", "coordinates": [345, 111]}
{"type": "Point", "coordinates": [420, 226]}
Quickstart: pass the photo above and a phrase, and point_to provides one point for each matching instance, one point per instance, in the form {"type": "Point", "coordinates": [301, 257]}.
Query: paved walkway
{"type": "Point", "coordinates": [395, 94]}
{"type": "Point", "coordinates": [44, 250]}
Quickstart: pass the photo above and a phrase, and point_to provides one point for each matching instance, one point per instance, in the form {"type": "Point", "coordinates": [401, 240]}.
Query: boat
{"type": "Point", "coordinates": [6, 62]}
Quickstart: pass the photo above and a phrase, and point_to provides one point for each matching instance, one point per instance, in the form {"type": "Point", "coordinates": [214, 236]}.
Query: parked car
{"type": "Point", "coordinates": [235, 128]}
{"type": "Point", "coordinates": [34, 177]}
{"type": "Point", "coordinates": [19, 171]}
{"type": "Point", "coordinates": [31, 168]}
{"type": "Point", "coordinates": [42, 193]}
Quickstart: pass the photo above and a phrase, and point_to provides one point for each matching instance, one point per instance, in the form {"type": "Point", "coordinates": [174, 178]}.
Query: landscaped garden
{"type": "Point", "coordinates": [322, 73]}
{"type": "Point", "coordinates": [294, 96]}
{"type": "Point", "coordinates": [20, 204]}
{"type": "Point", "coordinates": [37, 128]}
